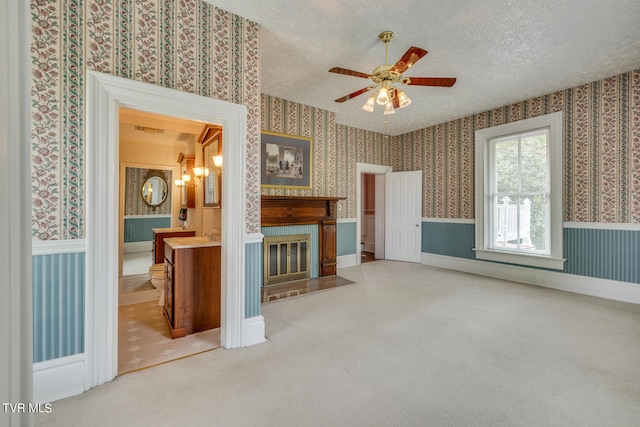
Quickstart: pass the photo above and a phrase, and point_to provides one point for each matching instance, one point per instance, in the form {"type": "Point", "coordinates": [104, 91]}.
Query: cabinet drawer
{"type": "Point", "coordinates": [168, 253]}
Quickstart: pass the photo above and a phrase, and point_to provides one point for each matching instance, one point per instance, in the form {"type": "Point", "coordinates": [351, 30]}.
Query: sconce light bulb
{"type": "Point", "coordinates": [388, 109]}
{"type": "Point", "coordinates": [383, 96]}
{"type": "Point", "coordinates": [368, 106]}
{"type": "Point", "coordinates": [403, 99]}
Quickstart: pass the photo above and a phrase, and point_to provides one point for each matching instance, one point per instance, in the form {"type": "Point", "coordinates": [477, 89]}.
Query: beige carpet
{"type": "Point", "coordinates": [407, 345]}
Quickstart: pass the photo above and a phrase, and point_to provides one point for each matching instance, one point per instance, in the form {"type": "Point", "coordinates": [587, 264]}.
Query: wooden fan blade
{"type": "Point", "coordinates": [339, 70]}
{"type": "Point", "coordinates": [431, 81]}
{"type": "Point", "coordinates": [354, 94]}
{"type": "Point", "coordinates": [395, 99]}
{"type": "Point", "coordinates": [410, 57]}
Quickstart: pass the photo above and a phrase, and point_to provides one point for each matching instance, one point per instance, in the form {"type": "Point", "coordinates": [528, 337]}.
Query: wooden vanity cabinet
{"type": "Point", "coordinates": [157, 251]}
{"type": "Point", "coordinates": [192, 289]}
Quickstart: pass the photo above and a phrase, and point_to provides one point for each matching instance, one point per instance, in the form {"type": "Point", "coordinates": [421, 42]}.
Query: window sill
{"type": "Point", "coordinates": [521, 259]}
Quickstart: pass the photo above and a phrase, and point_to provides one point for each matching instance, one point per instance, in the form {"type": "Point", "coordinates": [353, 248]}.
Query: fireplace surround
{"type": "Point", "coordinates": [287, 210]}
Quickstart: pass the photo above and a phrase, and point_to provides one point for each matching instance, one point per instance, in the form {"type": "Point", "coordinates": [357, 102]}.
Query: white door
{"type": "Point", "coordinates": [403, 216]}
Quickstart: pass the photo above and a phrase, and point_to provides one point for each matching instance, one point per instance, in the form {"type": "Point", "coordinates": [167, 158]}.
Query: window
{"type": "Point", "coordinates": [519, 192]}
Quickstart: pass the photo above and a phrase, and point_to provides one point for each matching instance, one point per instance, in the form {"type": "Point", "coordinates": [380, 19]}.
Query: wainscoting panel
{"type": "Point", "coordinates": [253, 279]}
{"type": "Point", "coordinates": [346, 238]}
{"type": "Point", "coordinates": [138, 229]}
{"type": "Point", "coordinates": [612, 254]}
{"type": "Point", "coordinates": [606, 254]}
{"type": "Point", "coordinates": [58, 305]}
{"type": "Point", "coordinates": [287, 230]}
{"type": "Point", "coordinates": [449, 238]}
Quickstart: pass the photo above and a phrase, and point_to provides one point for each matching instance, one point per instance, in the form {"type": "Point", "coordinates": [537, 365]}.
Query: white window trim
{"type": "Point", "coordinates": [554, 261]}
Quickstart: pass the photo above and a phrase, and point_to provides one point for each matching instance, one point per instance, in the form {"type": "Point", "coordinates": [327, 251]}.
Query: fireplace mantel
{"type": "Point", "coordinates": [287, 210]}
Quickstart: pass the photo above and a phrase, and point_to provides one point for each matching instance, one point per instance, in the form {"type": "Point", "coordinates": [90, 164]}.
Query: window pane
{"type": "Point", "coordinates": [538, 223]}
{"type": "Point", "coordinates": [506, 223]}
{"type": "Point", "coordinates": [533, 158]}
{"type": "Point", "coordinates": [506, 157]}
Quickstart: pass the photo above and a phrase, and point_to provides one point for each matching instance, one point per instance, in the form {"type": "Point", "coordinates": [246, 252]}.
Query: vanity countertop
{"type": "Point", "coordinates": [169, 230]}
{"type": "Point", "coordinates": [192, 242]}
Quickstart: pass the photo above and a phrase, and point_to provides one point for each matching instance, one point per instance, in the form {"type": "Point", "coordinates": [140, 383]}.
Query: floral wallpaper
{"type": "Point", "coordinates": [187, 45]}
{"type": "Point", "coordinates": [336, 149]}
{"type": "Point", "coordinates": [133, 201]}
{"type": "Point", "coordinates": [602, 151]}
{"type": "Point", "coordinates": [288, 117]}
{"type": "Point", "coordinates": [193, 46]}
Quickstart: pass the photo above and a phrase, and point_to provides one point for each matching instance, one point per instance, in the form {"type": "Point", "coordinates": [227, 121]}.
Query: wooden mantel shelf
{"type": "Point", "coordinates": [288, 210]}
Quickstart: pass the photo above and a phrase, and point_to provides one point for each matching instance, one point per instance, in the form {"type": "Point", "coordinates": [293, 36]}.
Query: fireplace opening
{"type": "Point", "coordinates": [286, 258]}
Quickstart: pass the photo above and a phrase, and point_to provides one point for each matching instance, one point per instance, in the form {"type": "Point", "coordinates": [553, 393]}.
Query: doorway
{"type": "Point", "coordinates": [369, 220]}
{"type": "Point", "coordinates": [370, 231]}
{"type": "Point", "coordinates": [105, 94]}
{"type": "Point", "coordinates": [149, 202]}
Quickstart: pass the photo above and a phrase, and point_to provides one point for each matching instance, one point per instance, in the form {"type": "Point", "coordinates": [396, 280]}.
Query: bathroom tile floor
{"type": "Point", "coordinates": [144, 338]}
{"type": "Point", "coordinates": [139, 282]}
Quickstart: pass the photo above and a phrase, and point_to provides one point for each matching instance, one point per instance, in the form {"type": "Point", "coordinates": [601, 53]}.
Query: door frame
{"type": "Point", "coordinates": [105, 95]}
{"type": "Point", "coordinates": [360, 169]}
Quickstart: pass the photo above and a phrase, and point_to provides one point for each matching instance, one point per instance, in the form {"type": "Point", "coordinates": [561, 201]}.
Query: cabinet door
{"type": "Point", "coordinates": [168, 293]}
{"type": "Point", "coordinates": [328, 256]}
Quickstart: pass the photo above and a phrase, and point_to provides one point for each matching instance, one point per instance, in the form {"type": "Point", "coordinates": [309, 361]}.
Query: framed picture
{"type": "Point", "coordinates": [286, 161]}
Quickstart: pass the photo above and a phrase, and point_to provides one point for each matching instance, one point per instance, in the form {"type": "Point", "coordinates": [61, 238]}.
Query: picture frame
{"type": "Point", "coordinates": [286, 161]}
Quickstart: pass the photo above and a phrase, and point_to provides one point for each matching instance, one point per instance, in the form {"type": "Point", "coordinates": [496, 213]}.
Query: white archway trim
{"type": "Point", "coordinates": [360, 169]}
{"type": "Point", "coordinates": [16, 329]}
{"type": "Point", "coordinates": [105, 94]}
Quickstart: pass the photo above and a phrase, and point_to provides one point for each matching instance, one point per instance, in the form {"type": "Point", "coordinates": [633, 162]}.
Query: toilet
{"type": "Point", "coordinates": [156, 273]}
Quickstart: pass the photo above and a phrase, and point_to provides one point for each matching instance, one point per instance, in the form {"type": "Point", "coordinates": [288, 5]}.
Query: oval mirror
{"type": "Point", "coordinates": [154, 190]}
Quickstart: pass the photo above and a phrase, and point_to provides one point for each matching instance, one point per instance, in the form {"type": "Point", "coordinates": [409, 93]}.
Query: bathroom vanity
{"type": "Point", "coordinates": [191, 284]}
{"type": "Point", "coordinates": [159, 234]}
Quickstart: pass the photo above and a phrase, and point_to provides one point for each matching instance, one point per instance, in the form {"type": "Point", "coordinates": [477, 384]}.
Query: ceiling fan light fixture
{"type": "Point", "coordinates": [386, 76]}
{"type": "Point", "coordinates": [368, 106]}
{"type": "Point", "coordinates": [403, 99]}
{"type": "Point", "coordinates": [383, 96]}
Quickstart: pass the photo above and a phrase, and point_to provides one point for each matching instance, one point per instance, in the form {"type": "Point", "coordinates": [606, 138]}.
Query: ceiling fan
{"type": "Point", "coordinates": [386, 75]}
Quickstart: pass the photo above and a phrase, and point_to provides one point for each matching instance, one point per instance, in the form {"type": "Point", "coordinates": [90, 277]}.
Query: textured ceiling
{"type": "Point", "coordinates": [501, 51]}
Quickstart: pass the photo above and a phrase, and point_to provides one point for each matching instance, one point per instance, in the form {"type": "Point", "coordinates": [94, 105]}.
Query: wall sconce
{"type": "Point", "coordinates": [217, 161]}
{"type": "Point", "coordinates": [179, 183]}
{"type": "Point", "coordinates": [200, 173]}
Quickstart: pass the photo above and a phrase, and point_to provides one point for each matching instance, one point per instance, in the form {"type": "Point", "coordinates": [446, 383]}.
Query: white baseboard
{"type": "Point", "coordinates": [345, 261]}
{"type": "Point", "coordinates": [137, 247]}
{"type": "Point", "coordinates": [58, 378]}
{"type": "Point", "coordinates": [253, 331]}
{"type": "Point", "coordinates": [592, 286]}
